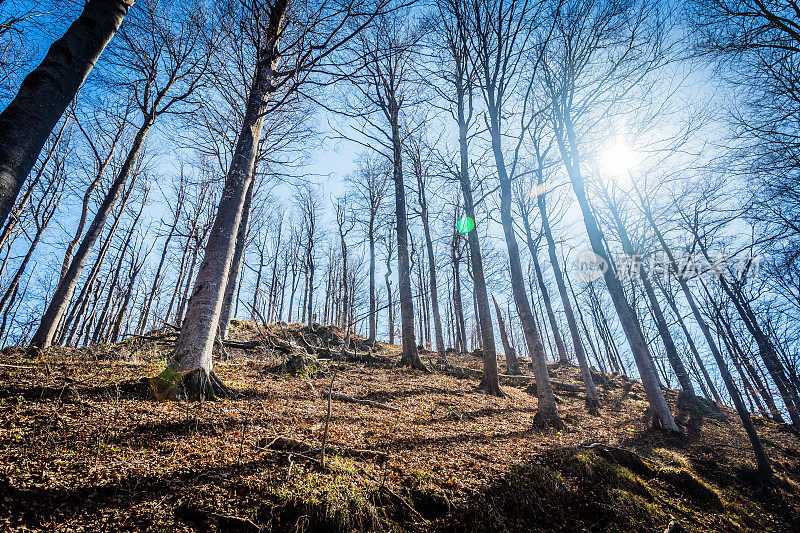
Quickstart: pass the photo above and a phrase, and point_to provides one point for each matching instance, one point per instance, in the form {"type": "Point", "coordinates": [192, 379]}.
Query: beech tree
{"type": "Point", "coordinates": [458, 73]}
{"type": "Point", "coordinates": [500, 34]}
{"type": "Point", "coordinates": [370, 185]}
{"type": "Point", "coordinates": [166, 63]}
{"type": "Point", "coordinates": [46, 92]}
{"type": "Point", "coordinates": [303, 40]}
{"type": "Point", "coordinates": [383, 85]}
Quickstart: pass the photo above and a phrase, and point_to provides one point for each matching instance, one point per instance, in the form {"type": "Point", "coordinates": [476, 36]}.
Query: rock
{"type": "Point", "coordinates": [675, 527]}
{"type": "Point", "coordinates": [300, 365]}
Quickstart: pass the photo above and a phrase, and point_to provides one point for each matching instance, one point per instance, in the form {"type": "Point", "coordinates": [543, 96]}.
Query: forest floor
{"type": "Point", "coordinates": [85, 446]}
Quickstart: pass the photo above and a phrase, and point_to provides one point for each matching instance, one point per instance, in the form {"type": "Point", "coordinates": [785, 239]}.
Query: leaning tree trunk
{"type": "Point", "coordinates": [647, 371]}
{"type": "Point", "coordinates": [236, 266]}
{"type": "Point", "coordinates": [661, 324]}
{"type": "Point", "coordinates": [765, 348]}
{"type": "Point", "coordinates": [690, 341]}
{"type": "Point", "coordinates": [46, 92]}
{"type": "Point", "coordinates": [66, 286]}
{"type": "Point", "coordinates": [190, 371]}
{"type": "Point", "coordinates": [562, 352]}
{"type": "Point", "coordinates": [592, 400]}
{"type": "Point", "coordinates": [490, 382]}
{"type": "Point", "coordinates": [547, 414]}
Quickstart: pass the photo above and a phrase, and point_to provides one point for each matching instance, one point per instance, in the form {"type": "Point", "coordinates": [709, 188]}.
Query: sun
{"type": "Point", "coordinates": [618, 159]}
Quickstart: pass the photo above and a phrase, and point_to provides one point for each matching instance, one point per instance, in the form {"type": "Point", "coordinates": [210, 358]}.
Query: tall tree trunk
{"type": "Point", "coordinates": [192, 359]}
{"type": "Point", "coordinates": [373, 299]}
{"type": "Point", "coordinates": [547, 413]}
{"type": "Point", "coordinates": [647, 371]}
{"type": "Point", "coordinates": [461, 335]}
{"type": "Point", "coordinates": [236, 264]}
{"type": "Point", "coordinates": [562, 353]}
{"type": "Point", "coordinates": [148, 302]}
{"type": "Point", "coordinates": [410, 353]}
{"type": "Point", "coordinates": [46, 92]}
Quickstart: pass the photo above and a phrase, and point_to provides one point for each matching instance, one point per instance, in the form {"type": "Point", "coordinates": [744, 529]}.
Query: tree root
{"type": "Point", "coordinates": [547, 421]}
{"type": "Point", "coordinates": [195, 385]}
{"type": "Point", "coordinates": [492, 389]}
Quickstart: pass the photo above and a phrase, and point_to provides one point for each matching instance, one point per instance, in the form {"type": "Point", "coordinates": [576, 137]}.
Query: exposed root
{"type": "Point", "coordinates": [193, 386]}
{"type": "Point", "coordinates": [593, 406]}
{"type": "Point", "coordinates": [414, 362]}
{"type": "Point", "coordinates": [492, 389]}
{"type": "Point", "coordinates": [545, 420]}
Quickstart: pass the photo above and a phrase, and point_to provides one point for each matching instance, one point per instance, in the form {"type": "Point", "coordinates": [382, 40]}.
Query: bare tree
{"type": "Point", "coordinates": [383, 84]}
{"type": "Point", "coordinates": [370, 186]}
{"type": "Point", "coordinates": [458, 73]}
{"type": "Point", "coordinates": [500, 34]}
{"type": "Point", "coordinates": [290, 46]}
{"type": "Point", "coordinates": [579, 78]}
{"type": "Point", "coordinates": [167, 63]}
{"type": "Point", "coordinates": [46, 92]}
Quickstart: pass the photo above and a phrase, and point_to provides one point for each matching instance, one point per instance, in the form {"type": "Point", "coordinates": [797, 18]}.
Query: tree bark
{"type": "Point", "coordinates": [236, 265]}
{"type": "Point", "coordinates": [46, 92]}
{"type": "Point", "coordinates": [410, 355]}
{"type": "Point", "coordinates": [192, 359]}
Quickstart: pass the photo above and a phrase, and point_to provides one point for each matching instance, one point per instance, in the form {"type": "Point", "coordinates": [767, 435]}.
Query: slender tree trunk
{"type": "Point", "coordinates": [547, 413]}
{"type": "Point", "coordinates": [46, 92]}
{"type": "Point", "coordinates": [512, 366]}
{"type": "Point", "coordinates": [148, 302]}
{"type": "Point", "coordinates": [692, 346]}
{"type": "Point", "coordinates": [592, 400]}
{"type": "Point", "coordinates": [647, 372]}
{"type": "Point", "coordinates": [765, 348]}
{"type": "Point", "coordinates": [373, 304]}
{"type": "Point", "coordinates": [63, 294]}
{"type": "Point", "coordinates": [461, 326]}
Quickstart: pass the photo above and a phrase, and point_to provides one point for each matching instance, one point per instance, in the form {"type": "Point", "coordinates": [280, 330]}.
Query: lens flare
{"type": "Point", "coordinates": [465, 225]}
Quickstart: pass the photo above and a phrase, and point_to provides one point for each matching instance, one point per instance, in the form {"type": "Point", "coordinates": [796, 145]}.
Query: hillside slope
{"type": "Point", "coordinates": [84, 446]}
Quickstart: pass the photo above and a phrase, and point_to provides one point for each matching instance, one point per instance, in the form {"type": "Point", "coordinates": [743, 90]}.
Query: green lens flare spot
{"type": "Point", "coordinates": [465, 225]}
